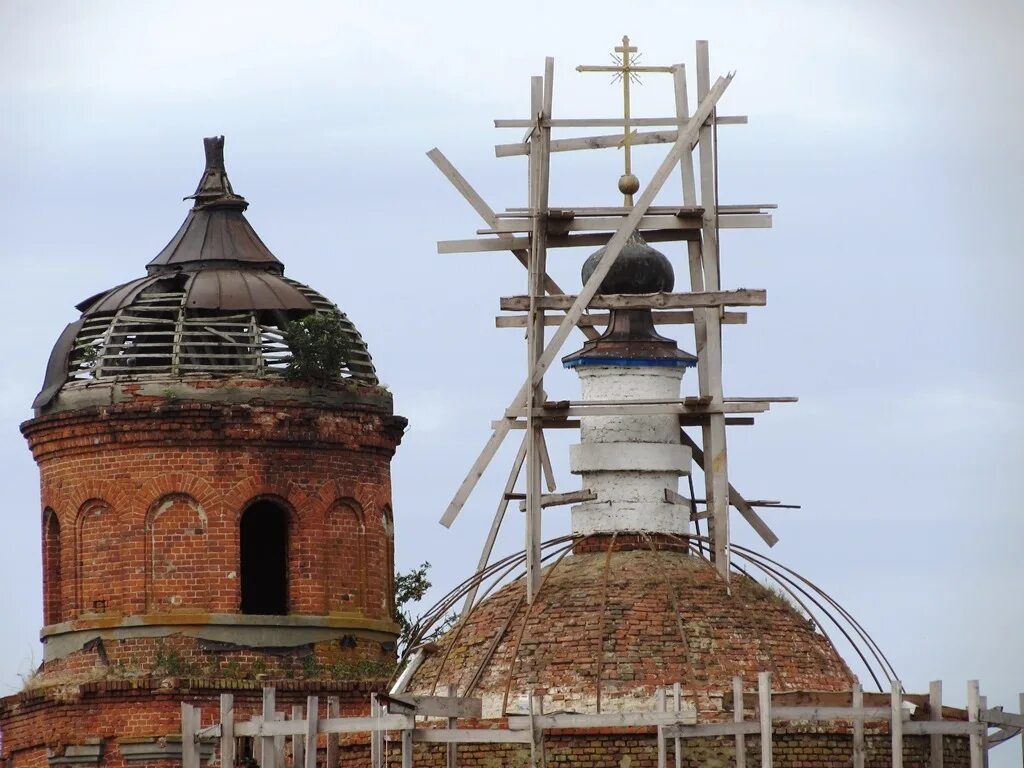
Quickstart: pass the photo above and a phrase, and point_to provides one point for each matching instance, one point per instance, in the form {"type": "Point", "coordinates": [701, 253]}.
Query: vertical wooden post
{"type": "Point", "coordinates": [982, 706]}
{"type": "Point", "coordinates": [716, 477]}
{"type": "Point", "coordinates": [935, 715]}
{"type": "Point", "coordinates": [692, 246]}
{"type": "Point", "coordinates": [407, 748]}
{"type": "Point", "coordinates": [537, 758]}
{"type": "Point", "coordinates": [764, 700]}
{"type": "Point", "coordinates": [539, 172]}
{"type": "Point", "coordinates": [858, 726]}
{"type": "Point", "coordinates": [662, 743]}
{"type": "Point", "coordinates": [189, 747]}
{"type": "Point", "coordinates": [1020, 708]}
{"type": "Point", "coordinates": [312, 720]}
{"type": "Point", "coordinates": [677, 699]}
{"type": "Point", "coordinates": [737, 717]}
{"type": "Point", "coordinates": [896, 723]}
{"type": "Point", "coordinates": [973, 715]}
{"type": "Point", "coordinates": [376, 737]}
{"type": "Point", "coordinates": [279, 742]}
{"type": "Point", "coordinates": [267, 742]}
{"type": "Point", "coordinates": [257, 744]}
{"type": "Point", "coordinates": [451, 757]}
{"type": "Point", "coordinates": [227, 730]}
{"type": "Point", "coordinates": [333, 710]}
{"type": "Point", "coordinates": [298, 740]}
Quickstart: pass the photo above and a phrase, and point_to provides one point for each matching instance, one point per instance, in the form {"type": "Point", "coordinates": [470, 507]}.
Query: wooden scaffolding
{"type": "Point", "coordinates": [531, 231]}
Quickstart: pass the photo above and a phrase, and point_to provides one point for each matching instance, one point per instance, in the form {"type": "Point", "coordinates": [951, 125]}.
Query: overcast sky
{"type": "Point", "coordinates": [889, 134]}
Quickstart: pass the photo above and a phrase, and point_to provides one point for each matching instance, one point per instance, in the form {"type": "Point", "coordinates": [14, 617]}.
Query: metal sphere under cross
{"type": "Point", "coordinates": [626, 69]}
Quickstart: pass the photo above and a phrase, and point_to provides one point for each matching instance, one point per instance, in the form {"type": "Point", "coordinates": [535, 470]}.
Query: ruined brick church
{"type": "Point", "coordinates": [214, 449]}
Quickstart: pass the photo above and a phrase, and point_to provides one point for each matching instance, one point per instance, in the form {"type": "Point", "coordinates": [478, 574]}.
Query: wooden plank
{"type": "Point", "coordinates": [829, 714]}
{"type": "Point", "coordinates": [333, 711]}
{"type": "Point", "coordinates": [539, 157]}
{"type": "Point", "coordinates": [581, 240]}
{"type": "Point", "coordinates": [279, 740]}
{"type": "Point", "coordinates": [227, 729]}
{"type": "Point", "coordinates": [973, 711]}
{"type": "Point", "coordinates": [707, 730]}
{"type": "Point", "coordinates": [602, 720]}
{"type": "Point", "coordinates": [267, 742]}
{"type": "Point", "coordinates": [470, 736]}
{"type": "Point", "coordinates": [189, 747]}
{"type": "Point", "coordinates": [547, 422]}
{"type": "Point", "coordinates": [299, 740]}
{"type": "Point", "coordinates": [407, 748]}
{"type": "Point", "coordinates": [764, 697]}
{"type": "Point", "coordinates": [896, 724]}
{"type": "Point", "coordinates": [998, 717]}
{"type": "Point", "coordinates": [859, 752]}
{"type": "Point", "coordinates": [451, 751]}
{"type": "Point", "coordinates": [677, 706]}
{"type": "Point", "coordinates": [661, 740]}
{"type": "Point", "coordinates": [589, 290]}
{"type": "Point", "coordinates": [545, 457]}
{"type": "Point", "coordinates": [605, 141]}
{"type": "Point", "coordinates": [674, 497]}
{"type": "Point", "coordinates": [935, 714]}
{"type": "Point", "coordinates": [628, 409]}
{"type": "Point", "coordinates": [742, 297]}
{"type": "Point", "coordinates": [658, 222]}
{"type": "Point", "coordinates": [660, 317]}
{"type": "Point", "coordinates": [737, 717]}
{"type": "Point", "coordinates": [756, 522]}
{"type": "Point", "coordinates": [443, 706]}
{"type": "Point", "coordinates": [607, 122]}
{"type": "Point", "coordinates": [942, 728]}
{"type": "Point", "coordinates": [312, 718]}
{"type": "Point", "coordinates": [561, 499]}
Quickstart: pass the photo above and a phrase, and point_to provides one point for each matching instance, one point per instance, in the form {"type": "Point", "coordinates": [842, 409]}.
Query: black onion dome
{"type": "Point", "coordinates": [215, 302]}
{"type": "Point", "coordinates": [639, 268]}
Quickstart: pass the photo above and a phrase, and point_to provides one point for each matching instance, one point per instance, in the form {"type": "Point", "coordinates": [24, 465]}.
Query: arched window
{"type": "Point", "coordinates": [263, 539]}
{"type": "Point", "coordinates": [51, 568]}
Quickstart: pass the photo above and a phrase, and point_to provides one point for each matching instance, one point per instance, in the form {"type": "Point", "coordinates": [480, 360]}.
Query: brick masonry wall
{"type": "Point", "coordinates": [38, 722]}
{"type": "Point", "coordinates": [793, 748]}
{"type": "Point", "coordinates": [142, 501]}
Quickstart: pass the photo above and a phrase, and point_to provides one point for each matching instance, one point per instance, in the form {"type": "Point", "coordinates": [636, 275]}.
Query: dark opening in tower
{"type": "Point", "coordinates": [264, 558]}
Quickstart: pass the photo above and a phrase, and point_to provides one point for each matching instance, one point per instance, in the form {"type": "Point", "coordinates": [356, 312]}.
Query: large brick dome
{"type": "Point", "coordinates": [610, 626]}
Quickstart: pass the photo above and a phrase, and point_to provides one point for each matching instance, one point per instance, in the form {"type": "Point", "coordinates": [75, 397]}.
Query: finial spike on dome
{"type": "Point", "coordinates": [214, 187]}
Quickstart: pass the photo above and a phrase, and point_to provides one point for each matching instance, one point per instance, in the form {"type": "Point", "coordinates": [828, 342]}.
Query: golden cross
{"type": "Point", "coordinates": [625, 69]}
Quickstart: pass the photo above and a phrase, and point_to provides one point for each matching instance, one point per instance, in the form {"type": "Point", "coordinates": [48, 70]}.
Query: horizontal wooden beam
{"type": "Point", "coordinates": [627, 409]}
{"type": "Point", "coordinates": [742, 297]}
{"type": "Point", "coordinates": [587, 239]}
{"type": "Point", "coordinates": [593, 142]}
{"type": "Point", "coordinates": [610, 223]}
{"type": "Point", "coordinates": [561, 499]}
{"type": "Point", "coordinates": [603, 720]}
{"type": "Point", "coordinates": [581, 211]}
{"type": "Point", "coordinates": [440, 706]}
{"type": "Point", "coordinates": [545, 423]}
{"type": "Point", "coordinates": [610, 122]}
{"type": "Point", "coordinates": [666, 317]}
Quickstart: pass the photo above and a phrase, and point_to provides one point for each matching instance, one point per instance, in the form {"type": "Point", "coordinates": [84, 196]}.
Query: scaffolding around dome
{"type": "Point", "coordinates": [623, 232]}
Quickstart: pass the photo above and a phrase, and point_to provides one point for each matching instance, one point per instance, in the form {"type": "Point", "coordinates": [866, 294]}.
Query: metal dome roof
{"type": "Point", "coordinates": [215, 301]}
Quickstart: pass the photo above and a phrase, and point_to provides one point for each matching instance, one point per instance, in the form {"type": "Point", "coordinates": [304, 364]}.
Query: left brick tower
{"type": "Point", "coordinates": [214, 450]}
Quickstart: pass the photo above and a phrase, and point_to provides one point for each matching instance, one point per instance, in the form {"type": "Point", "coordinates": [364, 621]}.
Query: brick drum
{"type": "Point", "coordinates": [142, 501]}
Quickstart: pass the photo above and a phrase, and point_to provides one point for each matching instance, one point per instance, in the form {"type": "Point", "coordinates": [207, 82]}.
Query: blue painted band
{"type": "Point", "coordinates": [636, 362]}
